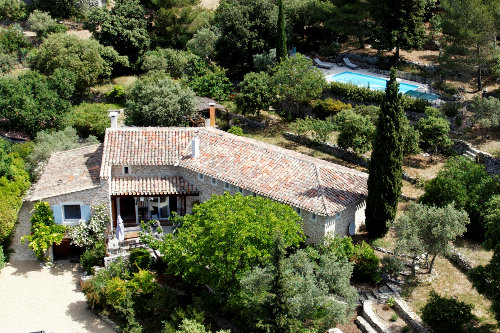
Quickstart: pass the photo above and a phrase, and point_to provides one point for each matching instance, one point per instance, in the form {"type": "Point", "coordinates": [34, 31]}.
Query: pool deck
{"type": "Point", "coordinates": [340, 69]}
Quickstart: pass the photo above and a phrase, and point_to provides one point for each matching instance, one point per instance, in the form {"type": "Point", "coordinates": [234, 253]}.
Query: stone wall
{"type": "Point", "coordinates": [491, 164]}
{"type": "Point", "coordinates": [410, 317]}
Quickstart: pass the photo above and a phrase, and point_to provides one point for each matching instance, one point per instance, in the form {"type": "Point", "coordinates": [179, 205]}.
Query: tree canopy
{"type": "Point", "coordinates": [356, 131]}
{"type": "Point", "coordinates": [465, 183]}
{"type": "Point", "coordinates": [226, 236]}
{"type": "Point", "coordinates": [256, 93]}
{"type": "Point", "coordinates": [430, 229]}
{"type": "Point", "coordinates": [158, 103]}
{"type": "Point", "coordinates": [385, 171]}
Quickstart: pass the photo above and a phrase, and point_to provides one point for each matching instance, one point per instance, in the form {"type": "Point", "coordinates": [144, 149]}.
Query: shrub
{"type": "Point", "coordinates": [434, 133]}
{"type": "Point", "coordinates": [140, 258]}
{"type": "Point", "coordinates": [366, 263]}
{"type": "Point", "coordinates": [117, 94]}
{"type": "Point", "coordinates": [12, 40]}
{"type": "Point", "coordinates": [175, 62]}
{"type": "Point", "coordinates": [60, 8]}
{"type": "Point", "coordinates": [7, 62]}
{"type": "Point", "coordinates": [320, 130]}
{"type": "Point", "coordinates": [450, 109]}
{"type": "Point", "coordinates": [43, 24]}
{"type": "Point", "coordinates": [445, 314]}
{"type": "Point", "coordinates": [264, 62]}
{"type": "Point", "coordinates": [394, 317]}
{"type": "Point", "coordinates": [160, 103]}
{"type": "Point", "coordinates": [88, 234]}
{"type": "Point", "coordinates": [90, 119]}
{"type": "Point", "coordinates": [392, 265]}
{"type": "Point", "coordinates": [352, 92]}
{"type": "Point", "coordinates": [330, 50]}
{"type": "Point", "coordinates": [11, 10]}
{"type": "Point", "coordinates": [93, 256]}
{"type": "Point", "coordinates": [236, 130]}
{"type": "Point", "coordinates": [405, 329]}
{"type": "Point", "coordinates": [328, 107]}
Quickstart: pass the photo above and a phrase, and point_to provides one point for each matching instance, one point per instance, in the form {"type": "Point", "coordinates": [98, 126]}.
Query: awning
{"type": "Point", "coordinates": [151, 186]}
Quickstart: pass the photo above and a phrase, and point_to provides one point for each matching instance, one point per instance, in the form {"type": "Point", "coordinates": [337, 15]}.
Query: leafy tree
{"type": "Point", "coordinates": [210, 80]}
{"type": "Point", "coordinates": [306, 292]}
{"type": "Point", "coordinates": [435, 228]}
{"type": "Point", "coordinates": [30, 104]}
{"type": "Point", "coordinates": [353, 19]}
{"type": "Point", "coordinates": [79, 56]}
{"type": "Point", "coordinates": [175, 22]}
{"type": "Point", "coordinates": [158, 103]}
{"type": "Point", "coordinates": [203, 43]}
{"type": "Point", "coordinates": [445, 314]}
{"type": "Point", "coordinates": [486, 278]}
{"type": "Point", "coordinates": [411, 138]}
{"type": "Point", "coordinates": [227, 235]}
{"type": "Point", "coordinates": [398, 24]}
{"type": "Point", "coordinates": [465, 183]}
{"type": "Point", "coordinates": [176, 63]}
{"type": "Point", "coordinates": [384, 181]}
{"type": "Point", "coordinates": [486, 112]}
{"type": "Point", "coordinates": [355, 131]}
{"type": "Point", "coordinates": [11, 10]}
{"type": "Point", "coordinates": [434, 133]}
{"type": "Point", "coordinates": [43, 24]}
{"type": "Point", "coordinates": [256, 93]}
{"type": "Point", "coordinates": [468, 45]}
{"type": "Point", "coordinates": [192, 326]}
{"type": "Point", "coordinates": [247, 27]}
{"type": "Point", "coordinates": [297, 81]}
{"type": "Point", "coordinates": [320, 130]}
{"type": "Point", "coordinates": [281, 50]}
{"type": "Point", "coordinates": [59, 8]}
{"type": "Point", "coordinates": [90, 119]}
{"type": "Point", "coordinates": [124, 27]}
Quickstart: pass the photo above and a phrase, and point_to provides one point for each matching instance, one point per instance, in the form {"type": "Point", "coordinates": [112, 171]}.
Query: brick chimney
{"type": "Point", "coordinates": [114, 119]}
{"type": "Point", "coordinates": [212, 114]}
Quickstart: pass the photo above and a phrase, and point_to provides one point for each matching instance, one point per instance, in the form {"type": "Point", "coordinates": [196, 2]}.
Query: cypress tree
{"type": "Point", "coordinates": [281, 48]}
{"type": "Point", "coordinates": [386, 166]}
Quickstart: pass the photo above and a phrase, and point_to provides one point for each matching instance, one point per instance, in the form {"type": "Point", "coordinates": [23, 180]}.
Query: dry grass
{"type": "Point", "coordinates": [474, 251]}
{"type": "Point", "coordinates": [422, 167]}
{"type": "Point", "coordinates": [448, 280]}
{"type": "Point", "coordinates": [124, 81]}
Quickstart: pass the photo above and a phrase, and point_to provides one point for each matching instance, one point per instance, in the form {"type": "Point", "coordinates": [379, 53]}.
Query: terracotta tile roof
{"type": "Point", "coordinates": [292, 178]}
{"type": "Point", "coordinates": [69, 171]}
{"type": "Point", "coordinates": [143, 146]}
{"type": "Point", "coordinates": [130, 185]}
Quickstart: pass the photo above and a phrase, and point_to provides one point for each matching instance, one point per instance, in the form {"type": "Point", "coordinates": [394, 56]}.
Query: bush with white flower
{"type": "Point", "coordinates": [87, 234]}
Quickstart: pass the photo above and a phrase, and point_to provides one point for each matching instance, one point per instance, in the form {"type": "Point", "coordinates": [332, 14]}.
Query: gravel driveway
{"type": "Point", "coordinates": [34, 298]}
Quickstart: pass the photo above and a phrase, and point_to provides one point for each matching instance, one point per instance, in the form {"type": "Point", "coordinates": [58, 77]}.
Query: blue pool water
{"type": "Point", "coordinates": [371, 82]}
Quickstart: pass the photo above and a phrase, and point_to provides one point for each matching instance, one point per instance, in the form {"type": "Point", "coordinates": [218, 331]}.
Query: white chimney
{"type": "Point", "coordinates": [114, 119]}
{"type": "Point", "coordinates": [195, 147]}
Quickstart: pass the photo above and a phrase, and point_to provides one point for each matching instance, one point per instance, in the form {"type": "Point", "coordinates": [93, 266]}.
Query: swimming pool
{"type": "Point", "coordinates": [371, 82]}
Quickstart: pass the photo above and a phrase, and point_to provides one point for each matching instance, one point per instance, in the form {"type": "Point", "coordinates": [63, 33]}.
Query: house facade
{"type": "Point", "coordinates": [148, 173]}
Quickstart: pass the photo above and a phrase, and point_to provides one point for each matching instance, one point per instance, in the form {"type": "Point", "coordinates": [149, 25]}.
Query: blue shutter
{"type": "Point", "coordinates": [58, 218]}
{"type": "Point", "coordinates": [85, 212]}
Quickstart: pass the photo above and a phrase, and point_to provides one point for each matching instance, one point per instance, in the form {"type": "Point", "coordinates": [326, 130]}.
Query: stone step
{"type": "Point", "coordinates": [370, 296]}
{"type": "Point", "coordinates": [364, 325]}
{"type": "Point", "coordinates": [394, 287]}
{"type": "Point", "coordinates": [384, 289]}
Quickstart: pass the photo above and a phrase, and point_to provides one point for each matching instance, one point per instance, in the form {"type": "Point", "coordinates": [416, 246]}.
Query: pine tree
{"type": "Point", "coordinates": [384, 181]}
{"type": "Point", "coordinates": [281, 48]}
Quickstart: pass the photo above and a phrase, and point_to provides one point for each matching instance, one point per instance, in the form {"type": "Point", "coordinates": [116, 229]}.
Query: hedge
{"type": "Point", "coordinates": [354, 93]}
{"type": "Point", "coordinates": [11, 192]}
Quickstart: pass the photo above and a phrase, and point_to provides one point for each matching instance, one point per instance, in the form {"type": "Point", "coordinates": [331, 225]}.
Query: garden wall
{"type": "Point", "coordinates": [491, 164]}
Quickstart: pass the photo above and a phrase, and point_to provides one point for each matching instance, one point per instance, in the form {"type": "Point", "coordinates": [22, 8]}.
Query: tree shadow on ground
{"type": "Point", "coordinates": [81, 313]}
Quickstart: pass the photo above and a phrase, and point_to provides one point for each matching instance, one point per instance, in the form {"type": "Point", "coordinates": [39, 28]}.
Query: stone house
{"type": "Point", "coordinates": [149, 172]}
